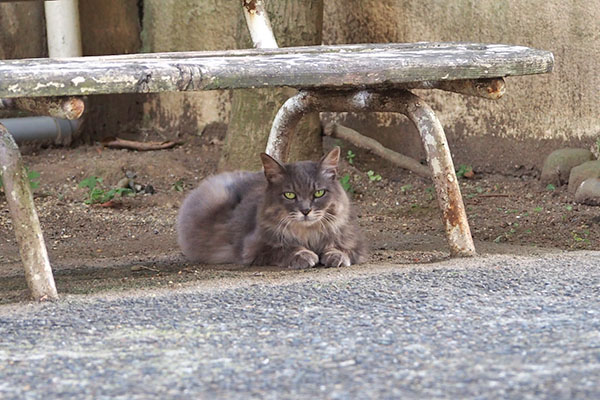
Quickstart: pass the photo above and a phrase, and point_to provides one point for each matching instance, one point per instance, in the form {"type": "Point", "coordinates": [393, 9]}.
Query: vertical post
{"type": "Point", "coordinates": [259, 24]}
{"type": "Point", "coordinates": [26, 224]}
{"type": "Point", "coordinates": [62, 28]}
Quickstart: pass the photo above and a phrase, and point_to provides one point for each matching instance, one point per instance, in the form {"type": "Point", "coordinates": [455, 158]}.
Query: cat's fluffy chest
{"type": "Point", "coordinates": [312, 236]}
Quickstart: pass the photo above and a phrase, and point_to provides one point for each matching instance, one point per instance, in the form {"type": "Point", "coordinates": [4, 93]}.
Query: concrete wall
{"type": "Point", "coordinates": [186, 25]}
{"type": "Point", "coordinates": [536, 114]}
{"type": "Point", "coordinates": [110, 27]}
{"type": "Point", "coordinates": [23, 31]}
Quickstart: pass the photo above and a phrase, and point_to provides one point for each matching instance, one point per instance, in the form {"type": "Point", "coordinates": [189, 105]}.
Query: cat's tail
{"type": "Point", "coordinates": [202, 225]}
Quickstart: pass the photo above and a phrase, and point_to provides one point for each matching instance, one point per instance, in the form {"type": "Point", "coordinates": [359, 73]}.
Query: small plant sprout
{"type": "Point", "coordinates": [550, 187]}
{"type": "Point", "coordinates": [178, 186]}
{"type": "Point", "coordinates": [430, 192]}
{"type": "Point", "coordinates": [350, 157]}
{"type": "Point", "coordinates": [405, 188]}
{"type": "Point", "coordinates": [97, 195]}
{"type": "Point", "coordinates": [373, 177]}
{"type": "Point", "coordinates": [345, 182]}
{"type": "Point", "coordinates": [32, 176]}
{"type": "Point", "coordinates": [463, 169]}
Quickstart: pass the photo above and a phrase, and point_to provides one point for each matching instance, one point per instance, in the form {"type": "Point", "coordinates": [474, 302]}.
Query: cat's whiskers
{"type": "Point", "coordinates": [281, 228]}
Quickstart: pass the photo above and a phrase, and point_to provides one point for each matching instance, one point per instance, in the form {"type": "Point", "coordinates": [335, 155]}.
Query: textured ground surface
{"type": "Point", "coordinates": [132, 242]}
{"type": "Point", "coordinates": [491, 327]}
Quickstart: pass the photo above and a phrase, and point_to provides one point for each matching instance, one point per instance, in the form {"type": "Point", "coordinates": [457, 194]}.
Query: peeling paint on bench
{"type": "Point", "coordinates": [300, 67]}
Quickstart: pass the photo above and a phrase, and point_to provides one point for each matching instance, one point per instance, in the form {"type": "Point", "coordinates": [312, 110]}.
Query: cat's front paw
{"type": "Point", "coordinates": [335, 258]}
{"type": "Point", "coordinates": [303, 259]}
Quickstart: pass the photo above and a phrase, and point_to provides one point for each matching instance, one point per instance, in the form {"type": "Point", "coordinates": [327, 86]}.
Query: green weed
{"type": "Point", "coordinates": [178, 186]}
{"type": "Point", "coordinates": [350, 157]}
{"type": "Point", "coordinates": [98, 195]}
{"type": "Point", "coordinates": [462, 170]}
{"type": "Point", "coordinates": [345, 182]}
{"type": "Point", "coordinates": [581, 237]}
{"type": "Point", "coordinates": [373, 177]}
{"type": "Point", "coordinates": [430, 193]}
{"type": "Point", "coordinates": [32, 176]}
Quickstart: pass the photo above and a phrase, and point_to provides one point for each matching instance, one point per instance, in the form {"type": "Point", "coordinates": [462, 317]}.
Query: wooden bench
{"type": "Point", "coordinates": [330, 78]}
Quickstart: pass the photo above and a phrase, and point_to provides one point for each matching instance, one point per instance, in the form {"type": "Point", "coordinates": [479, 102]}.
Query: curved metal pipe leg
{"type": "Point", "coordinates": [444, 177]}
{"type": "Point", "coordinates": [286, 120]}
{"type": "Point", "coordinates": [25, 220]}
{"type": "Point", "coordinates": [429, 127]}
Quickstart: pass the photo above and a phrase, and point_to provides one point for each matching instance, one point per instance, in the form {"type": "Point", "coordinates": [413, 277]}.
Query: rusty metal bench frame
{"type": "Point", "coordinates": [330, 78]}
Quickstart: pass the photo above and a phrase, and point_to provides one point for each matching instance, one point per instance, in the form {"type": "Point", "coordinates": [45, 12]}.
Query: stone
{"type": "Point", "coordinates": [559, 163]}
{"type": "Point", "coordinates": [589, 192]}
{"type": "Point", "coordinates": [590, 169]}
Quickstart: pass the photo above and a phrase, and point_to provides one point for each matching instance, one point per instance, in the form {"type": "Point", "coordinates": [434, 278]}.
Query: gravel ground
{"type": "Point", "coordinates": [491, 327]}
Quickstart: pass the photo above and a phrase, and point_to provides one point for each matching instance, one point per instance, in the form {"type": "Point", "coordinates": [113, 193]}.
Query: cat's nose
{"type": "Point", "coordinates": [305, 211]}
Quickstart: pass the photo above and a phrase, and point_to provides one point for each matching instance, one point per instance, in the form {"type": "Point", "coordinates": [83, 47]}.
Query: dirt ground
{"type": "Point", "coordinates": [131, 244]}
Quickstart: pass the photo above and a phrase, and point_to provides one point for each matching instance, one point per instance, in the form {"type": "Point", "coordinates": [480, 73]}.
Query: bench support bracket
{"type": "Point", "coordinates": [25, 220]}
{"type": "Point", "coordinates": [399, 101]}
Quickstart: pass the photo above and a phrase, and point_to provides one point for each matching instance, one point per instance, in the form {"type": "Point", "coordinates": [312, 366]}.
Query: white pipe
{"type": "Point", "coordinates": [62, 28]}
{"type": "Point", "coordinates": [259, 25]}
{"type": "Point", "coordinates": [64, 40]}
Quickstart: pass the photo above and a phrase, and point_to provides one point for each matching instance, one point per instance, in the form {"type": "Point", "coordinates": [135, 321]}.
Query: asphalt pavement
{"type": "Point", "coordinates": [486, 328]}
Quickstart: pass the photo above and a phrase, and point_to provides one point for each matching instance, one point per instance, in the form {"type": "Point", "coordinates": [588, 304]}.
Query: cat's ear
{"type": "Point", "coordinates": [329, 163]}
{"type": "Point", "coordinates": [274, 171]}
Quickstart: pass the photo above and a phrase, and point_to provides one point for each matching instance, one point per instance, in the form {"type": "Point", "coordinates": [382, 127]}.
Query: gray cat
{"type": "Point", "coordinates": [295, 215]}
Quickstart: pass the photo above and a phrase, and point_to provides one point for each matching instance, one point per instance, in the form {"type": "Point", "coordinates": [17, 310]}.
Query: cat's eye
{"type": "Point", "coordinates": [289, 195]}
{"type": "Point", "coordinates": [319, 193]}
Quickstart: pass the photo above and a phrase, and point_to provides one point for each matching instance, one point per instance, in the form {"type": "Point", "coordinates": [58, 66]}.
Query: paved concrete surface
{"type": "Point", "coordinates": [491, 327]}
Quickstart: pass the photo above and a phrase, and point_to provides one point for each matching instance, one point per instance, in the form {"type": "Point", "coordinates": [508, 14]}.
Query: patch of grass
{"type": "Point", "coordinates": [98, 195]}
{"type": "Point", "coordinates": [373, 177]}
{"type": "Point", "coordinates": [345, 182]}
{"type": "Point", "coordinates": [508, 234]}
{"type": "Point", "coordinates": [581, 237]}
{"type": "Point", "coordinates": [538, 209]}
{"type": "Point", "coordinates": [405, 188]}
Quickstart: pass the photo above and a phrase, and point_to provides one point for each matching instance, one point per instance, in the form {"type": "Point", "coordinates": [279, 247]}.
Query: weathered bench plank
{"type": "Point", "coordinates": [301, 67]}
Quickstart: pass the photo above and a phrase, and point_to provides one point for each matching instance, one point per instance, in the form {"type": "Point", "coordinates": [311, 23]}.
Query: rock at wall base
{"type": "Point", "coordinates": [587, 170]}
{"type": "Point", "coordinates": [559, 163]}
{"type": "Point", "coordinates": [589, 192]}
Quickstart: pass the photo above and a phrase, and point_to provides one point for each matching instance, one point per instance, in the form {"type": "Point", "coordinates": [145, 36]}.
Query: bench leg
{"type": "Point", "coordinates": [444, 178]}
{"type": "Point", "coordinates": [429, 127]}
{"type": "Point", "coordinates": [25, 220]}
